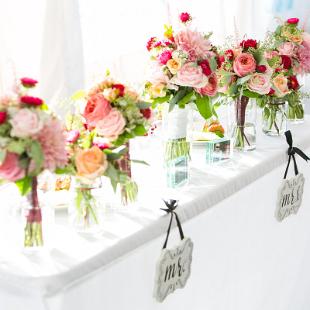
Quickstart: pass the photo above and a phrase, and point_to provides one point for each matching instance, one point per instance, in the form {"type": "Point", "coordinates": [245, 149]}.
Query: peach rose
{"type": "Point", "coordinates": [259, 83]}
{"type": "Point", "coordinates": [112, 125]}
{"type": "Point", "coordinates": [96, 109]}
{"type": "Point", "coordinates": [244, 64]}
{"type": "Point", "coordinates": [210, 88]}
{"type": "Point", "coordinates": [280, 84]}
{"type": "Point", "coordinates": [157, 90]}
{"type": "Point", "coordinates": [190, 75]}
{"type": "Point", "coordinates": [174, 65]}
{"type": "Point", "coordinates": [91, 163]}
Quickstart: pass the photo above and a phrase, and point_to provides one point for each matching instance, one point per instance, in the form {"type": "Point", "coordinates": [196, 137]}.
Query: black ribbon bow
{"type": "Point", "coordinates": [292, 150]}
{"type": "Point", "coordinates": [171, 205]}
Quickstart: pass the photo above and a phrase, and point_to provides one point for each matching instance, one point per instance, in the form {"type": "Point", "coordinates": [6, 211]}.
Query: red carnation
{"type": "Point", "coordinates": [164, 57]}
{"type": "Point", "coordinates": [205, 66]}
{"type": "Point", "coordinates": [261, 68]}
{"type": "Point", "coordinates": [147, 113]}
{"type": "Point", "coordinates": [229, 54]}
{"type": "Point", "coordinates": [28, 82]}
{"type": "Point", "coordinates": [293, 82]}
{"type": "Point", "coordinates": [31, 100]}
{"type": "Point", "coordinates": [3, 116]}
{"type": "Point", "coordinates": [293, 20]}
{"type": "Point", "coordinates": [185, 17]}
{"type": "Point", "coordinates": [120, 88]}
{"type": "Point", "coordinates": [150, 43]}
{"type": "Point", "coordinates": [249, 43]}
{"type": "Point", "coordinates": [271, 91]}
{"type": "Point", "coordinates": [286, 61]}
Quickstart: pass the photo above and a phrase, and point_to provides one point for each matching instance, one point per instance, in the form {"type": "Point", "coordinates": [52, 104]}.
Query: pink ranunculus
{"type": "Point", "coordinates": [190, 75]}
{"type": "Point", "coordinates": [259, 83]}
{"type": "Point", "coordinates": [293, 20]}
{"type": "Point", "coordinates": [287, 48]}
{"type": "Point", "coordinates": [194, 43]}
{"type": "Point", "coordinates": [112, 125]}
{"type": "Point", "coordinates": [97, 108]}
{"type": "Point", "coordinates": [210, 88]}
{"type": "Point", "coordinates": [244, 64]}
{"type": "Point", "coordinates": [10, 169]}
{"type": "Point", "coordinates": [271, 54]}
{"type": "Point", "coordinates": [304, 55]}
{"type": "Point", "coordinates": [185, 17]}
{"type": "Point", "coordinates": [53, 142]}
{"type": "Point", "coordinates": [25, 123]}
{"type": "Point", "coordinates": [280, 83]}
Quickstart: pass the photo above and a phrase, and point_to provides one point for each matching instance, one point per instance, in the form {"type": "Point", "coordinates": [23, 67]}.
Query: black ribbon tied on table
{"type": "Point", "coordinates": [171, 205]}
{"type": "Point", "coordinates": [292, 150]}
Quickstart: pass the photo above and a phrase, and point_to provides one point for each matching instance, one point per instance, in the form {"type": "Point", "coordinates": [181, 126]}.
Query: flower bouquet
{"type": "Point", "coordinates": [244, 76]}
{"type": "Point", "coordinates": [182, 71]}
{"type": "Point", "coordinates": [291, 48]}
{"type": "Point", "coordinates": [31, 140]}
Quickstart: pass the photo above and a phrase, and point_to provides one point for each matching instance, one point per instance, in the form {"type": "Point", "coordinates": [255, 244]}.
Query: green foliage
{"type": "Point", "coordinates": [35, 152]}
{"type": "Point", "coordinates": [17, 146]}
{"type": "Point", "coordinates": [204, 106]}
{"type": "Point", "coordinates": [177, 97]}
{"type": "Point", "coordinates": [186, 99]}
{"type": "Point", "coordinates": [250, 94]}
{"type": "Point", "coordinates": [24, 185]}
{"type": "Point", "coordinates": [2, 155]}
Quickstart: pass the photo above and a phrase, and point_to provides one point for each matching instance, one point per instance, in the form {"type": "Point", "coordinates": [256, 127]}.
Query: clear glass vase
{"type": "Point", "coordinates": [176, 145]}
{"type": "Point", "coordinates": [244, 133]}
{"type": "Point", "coordinates": [86, 207]}
{"type": "Point", "coordinates": [274, 117]}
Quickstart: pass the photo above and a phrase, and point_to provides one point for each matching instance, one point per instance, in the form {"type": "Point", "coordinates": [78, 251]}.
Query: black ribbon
{"type": "Point", "coordinates": [171, 205]}
{"type": "Point", "coordinates": [291, 153]}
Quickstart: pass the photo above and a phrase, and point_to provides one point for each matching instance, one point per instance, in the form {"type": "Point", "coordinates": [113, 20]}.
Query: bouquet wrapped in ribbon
{"type": "Point", "coordinates": [31, 140]}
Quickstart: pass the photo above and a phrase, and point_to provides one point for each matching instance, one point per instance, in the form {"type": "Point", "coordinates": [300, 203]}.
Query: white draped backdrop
{"type": "Point", "coordinates": [68, 44]}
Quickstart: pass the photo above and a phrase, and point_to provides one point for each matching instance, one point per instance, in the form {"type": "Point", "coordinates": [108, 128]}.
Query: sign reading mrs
{"type": "Point", "coordinates": [290, 197]}
{"type": "Point", "coordinates": [173, 269]}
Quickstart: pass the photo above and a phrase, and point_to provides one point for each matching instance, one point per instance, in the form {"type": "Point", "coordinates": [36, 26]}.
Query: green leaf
{"type": "Point", "coordinates": [186, 99]}
{"type": "Point", "coordinates": [69, 170]}
{"type": "Point", "coordinates": [213, 64]}
{"type": "Point", "coordinates": [266, 113]}
{"type": "Point", "coordinates": [113, 174]}
{"type": "Point", "coordinates": [143, 105]}
{"type": "Point", "coordinates": [116, 153]}
{"type": "Point", "coordinates": [204, 106]}
{"type": "Point", "coordinates": [160, 100]}
{"type": "Point", "coordinates": [232, 90]}
{"type": "Point", "coordinates": [250, 94]}
{"type": "Point", "coordinates": [139, 130]}
{"type": "Point", "coordinates": [2, 155]}
{"type": "Point", "coordinates": [176, 98]}
{"type": "Point", "coordinates": [80, 94]}
{"type": "Point", "coordinates": [24, 185]}
{"type": "Point", "coordinates": [142, 162]}
{"type": "Point", "coordinates": [17, 146]}
{"type": "Point", "coordinates": [35, 152]}
{"type": "Point", "coordinates": [243, 79]}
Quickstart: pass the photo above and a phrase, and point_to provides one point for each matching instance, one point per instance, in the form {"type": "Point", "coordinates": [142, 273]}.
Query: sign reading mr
{"type": "Point", "coordinates": [291, 191]}
{"type": "Point", "coordinates": [174, 265]}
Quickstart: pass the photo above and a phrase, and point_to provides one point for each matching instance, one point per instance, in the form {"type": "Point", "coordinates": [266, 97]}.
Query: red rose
{"type": "Point", "coordinates": [3, 116]}
{"type": "Point", "coordinates": [229, 54]}
{"type": "Point", "coordinates": [185, 17]}
{"type": "Point", "coordinates": [286, 62]}
{"type": "Point", "coordinates": [164, 57]}
{"type": "Point", "coordinates": [293, 20]}
{"type": "Point", "coordinates": [271, 91]}
{"type": "Point", "coordinates": [248, 43]}
{"type": "Point", "coordinates": [147, 113]}
{"type": "Point", "coordinates": [205, 66]}
{"type": "Point", "coordinates": [150, 43]}
{"type": "Point", "coordinates": [31, 100]}
{"type": "Point", "coordinates": [120, 88]}
{"type": "Point", "coordinates": [293, 82]}
{"type": "Point", "coordinates": [28, 82]}
{"type": "Point", "coordinates": [220, 59]}
{"type": "Point", "coordinates": [261, 68]}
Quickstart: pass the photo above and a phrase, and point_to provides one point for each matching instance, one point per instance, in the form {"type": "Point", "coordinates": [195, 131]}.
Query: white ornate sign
{"type": "Point", "coordinates": [173, 269]}
{"type": "Point", "coordinates": [290, 196]}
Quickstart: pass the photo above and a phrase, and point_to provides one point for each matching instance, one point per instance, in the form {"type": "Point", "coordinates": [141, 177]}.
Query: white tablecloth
{"type": "Point", "coordinates": [243, 258]}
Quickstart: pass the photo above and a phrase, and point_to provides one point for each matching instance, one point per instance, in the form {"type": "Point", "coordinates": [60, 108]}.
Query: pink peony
{"type": "Point", "coordinates": [96, 109]}
{"type": "Point", "coordinates": [193, 43]}
{"type": "Point", "coordinates": [259, 83]}
{"type": "Point", "coordinates": [210, 88]}
{"type": "Point", "coordinates": [190, 75]}
{"type": "Point", "coordinates": [287, 48]}
{"type": "Point", "coordinates": [112, 125]}
{"type": "Point", "coordinates": [25, 123]}
{"type": "Point", "coordinates": [10, 169]}
{"type": "Point", "coordinates": [304, 54]}
{"type": "Point", "coordinates": [72, 136]}
{"type": "Point", "coordinates": [53, 142]}
{"type": "Point", "coordinates": [244, 64]}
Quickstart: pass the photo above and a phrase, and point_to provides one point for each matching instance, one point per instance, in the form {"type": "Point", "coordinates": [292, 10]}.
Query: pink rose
{"type": "Point", "coordinates": [190, 75]}
{"type": "Point", "coordinates": [210, 88]}
{"type": "Point", "coordinates": [112, 125]}
{"type": "Point", "coordinates": [259, 83]}
{"type": "Point", "coordinates": [25, 123]}
{"type": "Point", "coordinates": [270, 54]}
{"type": "Point", "coordinates": [280, 83]}
{"type": "Point", "coordinates": [10, 169]}
{"type": "Point", "coordinates": [96, 109]}
{"type": "Point", "coordinates": [287, 48]}
{"type": "Point", "coordinates": [244, 64]}
{"type": "Point", "coordinates": [72, 136]}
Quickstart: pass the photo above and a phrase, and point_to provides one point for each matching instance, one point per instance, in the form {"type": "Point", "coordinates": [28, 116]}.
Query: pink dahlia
{"type": "Point", "coordinates": [53, 142]}
{"type": "Point", "coordinates": [194, 44]}
{"type": "Point", "coordinates": [304, 54]}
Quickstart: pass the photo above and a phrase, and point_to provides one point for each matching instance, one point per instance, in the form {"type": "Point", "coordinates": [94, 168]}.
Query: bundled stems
{"type": "Point", "coordinates": [295, 111]}
{"type": "Point", "coordinates": [176, 148]}
{"type": "Point", "coordinates": [33, 228]}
